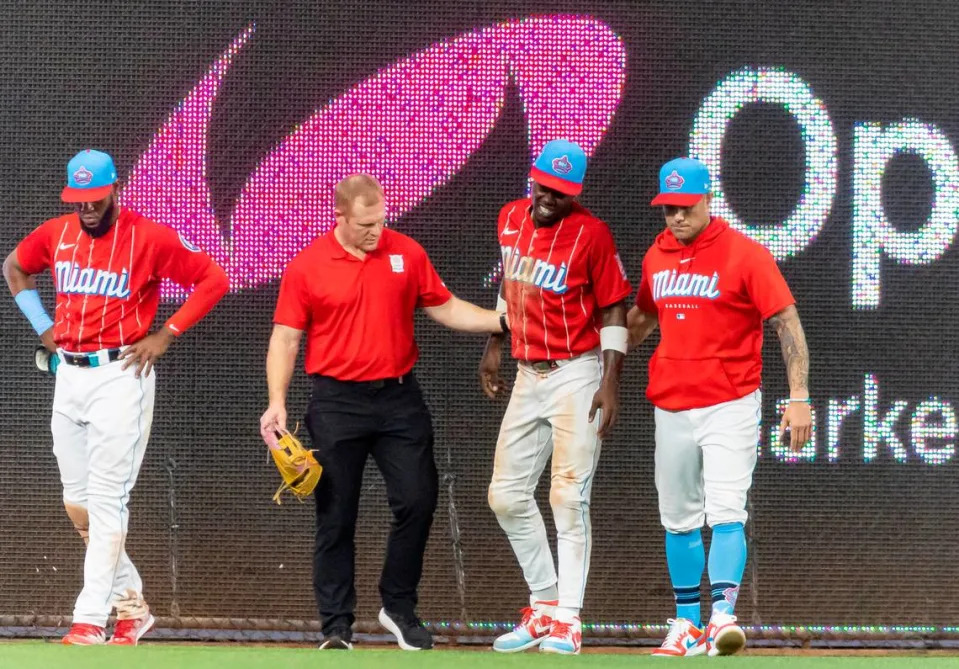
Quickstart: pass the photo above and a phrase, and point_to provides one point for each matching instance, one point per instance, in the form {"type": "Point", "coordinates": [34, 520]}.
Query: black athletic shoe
{"type": "Point", "coordinates": [337, 640]}
{"type": "Point", "coordinates": [408, 630]}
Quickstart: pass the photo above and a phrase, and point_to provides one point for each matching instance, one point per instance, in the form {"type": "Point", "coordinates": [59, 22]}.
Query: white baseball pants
{"type": "Point", "coordinates": [704, 462]}
{"type": "Point", "coordinates": [101, 423]}
{"type": "Point", "coordinates": [548, 414]}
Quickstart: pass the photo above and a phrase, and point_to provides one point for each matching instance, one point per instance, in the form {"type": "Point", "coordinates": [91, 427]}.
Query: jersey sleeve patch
{"type": "Point", "coordinates": [622, 267]}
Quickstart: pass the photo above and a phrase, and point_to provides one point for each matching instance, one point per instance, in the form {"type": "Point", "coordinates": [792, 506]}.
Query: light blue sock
{"type": "Point", "coordinates": [686, 559]}
{"type": "Point", "coordinates": [727, 560]}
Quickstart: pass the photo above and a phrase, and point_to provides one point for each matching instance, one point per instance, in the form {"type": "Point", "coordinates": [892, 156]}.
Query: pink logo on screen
{"type": "Point", "coordinates": [562, 165]}
{"type": "Point", "coordinates": [413, 125]}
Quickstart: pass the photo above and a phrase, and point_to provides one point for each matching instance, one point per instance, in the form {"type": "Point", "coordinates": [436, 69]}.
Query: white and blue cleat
{"type": "Point", "coordinates": [533, 628]}
{"type": "Point", "coordinates": [565, 638]}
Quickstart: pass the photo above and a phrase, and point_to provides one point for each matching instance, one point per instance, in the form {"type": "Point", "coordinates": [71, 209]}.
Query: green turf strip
{"type": "Point", "coordinates": [40, 655]}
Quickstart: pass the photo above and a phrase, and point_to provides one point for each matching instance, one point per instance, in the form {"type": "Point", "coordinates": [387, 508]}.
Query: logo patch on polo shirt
{"type": "Point", "coordinates": [396, 261]}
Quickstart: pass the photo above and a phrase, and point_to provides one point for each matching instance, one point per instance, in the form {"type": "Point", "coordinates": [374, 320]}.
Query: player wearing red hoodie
{"type": "Point", "coordinates": [709, 288]}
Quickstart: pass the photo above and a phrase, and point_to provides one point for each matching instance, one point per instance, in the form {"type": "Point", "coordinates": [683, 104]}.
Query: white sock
{"type": "Point", "coordinates": [566, 614]}
{"type": "Point", "coordinates": [550, 594]}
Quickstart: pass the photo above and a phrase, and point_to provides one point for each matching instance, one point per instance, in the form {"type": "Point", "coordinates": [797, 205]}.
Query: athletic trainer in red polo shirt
{"type": "Point", "coordinates": [354, 292]}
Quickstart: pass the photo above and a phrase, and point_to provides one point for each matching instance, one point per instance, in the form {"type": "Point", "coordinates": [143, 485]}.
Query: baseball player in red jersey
{"type": "Point", "coordinates": [106, 262]}
{"type": "Point", "coordinates": [709, 288]}
{"type": "Point", "coordinates": [563, 287]}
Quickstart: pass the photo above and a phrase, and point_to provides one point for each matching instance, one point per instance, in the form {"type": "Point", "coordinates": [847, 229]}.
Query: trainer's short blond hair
{"type": "Point", "coordinates": [362, 187]}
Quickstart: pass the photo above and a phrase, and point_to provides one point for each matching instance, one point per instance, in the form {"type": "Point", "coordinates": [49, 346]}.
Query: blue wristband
{"type": "Point", "coordinates": [32, 308]}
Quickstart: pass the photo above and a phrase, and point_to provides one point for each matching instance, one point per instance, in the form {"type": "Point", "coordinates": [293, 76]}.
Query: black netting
{"type": "Point", "coordinates": [841, 538]}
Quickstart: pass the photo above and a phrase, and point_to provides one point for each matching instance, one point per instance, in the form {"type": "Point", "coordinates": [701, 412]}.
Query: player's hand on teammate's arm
{"type": "Point", "coordinates": [606, 400]}
{"type": "Point", "coordinates": [464, 316]}
{"type": "Point", "coordinates": [490, 380]}
{"type": "Point", "coordinates": [145, 352]}
{"type": "Point", "coordinates": [272, 421]}
{"type": "Point", "coordinates": [797, 419]}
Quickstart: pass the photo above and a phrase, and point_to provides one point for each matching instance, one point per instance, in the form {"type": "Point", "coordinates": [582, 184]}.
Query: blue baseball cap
{"type": "Point", "coordinates": [682, 183]}
{"type": "Point", "coordinates": [90, 177]}
{"type": "Point", "coordinates": [561, 166]}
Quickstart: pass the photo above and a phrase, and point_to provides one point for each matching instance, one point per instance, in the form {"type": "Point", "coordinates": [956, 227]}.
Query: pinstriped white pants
{"type": "Point", "coordinates": [101, 423]}
{"type": "Point", "coordinates": [548, 415]}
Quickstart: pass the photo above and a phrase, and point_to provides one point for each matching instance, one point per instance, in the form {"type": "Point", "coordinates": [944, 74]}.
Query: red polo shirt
{"type": "Point", "coordinates": [358, 314]}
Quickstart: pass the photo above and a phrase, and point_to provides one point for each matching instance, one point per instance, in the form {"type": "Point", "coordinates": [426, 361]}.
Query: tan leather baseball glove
{"type": "Point", "coordinates": [298, 467]}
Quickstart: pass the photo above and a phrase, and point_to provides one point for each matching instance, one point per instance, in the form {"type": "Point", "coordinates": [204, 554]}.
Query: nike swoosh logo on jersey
{"type": "Point", "coordinates": [64, 247]}
{"type": "Point", "coordinates": [685, 260]}
{"type": "Point", "coordinates": [507, 231]}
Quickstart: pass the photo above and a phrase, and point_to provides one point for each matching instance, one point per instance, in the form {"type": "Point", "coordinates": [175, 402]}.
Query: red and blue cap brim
{"type": "Point", "coordinates": [555, 182]}
{"type": "Point", "coordinates": [677, 199]}
{"type": "Point", "coordinates": [69, 194]}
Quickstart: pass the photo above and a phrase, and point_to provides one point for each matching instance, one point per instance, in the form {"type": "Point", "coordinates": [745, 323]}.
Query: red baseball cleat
{"type": "Point", "coordinates": [128, 632]}
{"type": "Point", "coordinates": [84, 634]}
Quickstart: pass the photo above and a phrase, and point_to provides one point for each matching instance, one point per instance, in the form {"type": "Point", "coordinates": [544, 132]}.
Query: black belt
{"type": "Point", "coordinates": [93, 359]}
{"type": "Point", "coordinates": [375, 384]}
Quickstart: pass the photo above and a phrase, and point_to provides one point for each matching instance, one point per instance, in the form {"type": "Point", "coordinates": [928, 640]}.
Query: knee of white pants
{"type": "Point", "coordinates": [75, 493]}
{"type": "Point", "coordinates": [569, 503]}
{"type": "Point", "coordinates": [109, 513]}
{"type": "Point", "coordinates": [720, 515]}
{"type": "Point", "coordinates": [110, 484]}
{"type": "Point", "coordinates": [507, 503]}
{"type": "Point", "coordinates": [680, 522]}
{"type": "Point", "coordinates": [680, 510]}
{"type": "Point", "coordinates": [725, 506]}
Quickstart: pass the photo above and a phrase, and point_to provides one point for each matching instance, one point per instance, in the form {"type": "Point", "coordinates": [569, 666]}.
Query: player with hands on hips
{"type": "Point", "coordinates": [107, 262]}
{"type": "Point", "coordinates": [709, 288]}
{"type": "Point", "coordinates": [564, 288]}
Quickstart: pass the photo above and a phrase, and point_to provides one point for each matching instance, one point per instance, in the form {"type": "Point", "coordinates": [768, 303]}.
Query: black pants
{"type": "Point", "coordinates": [347, 422]}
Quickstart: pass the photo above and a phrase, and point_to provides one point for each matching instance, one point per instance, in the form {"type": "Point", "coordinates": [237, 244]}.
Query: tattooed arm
{"type": "Point", "coordinates": [798, 416]}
